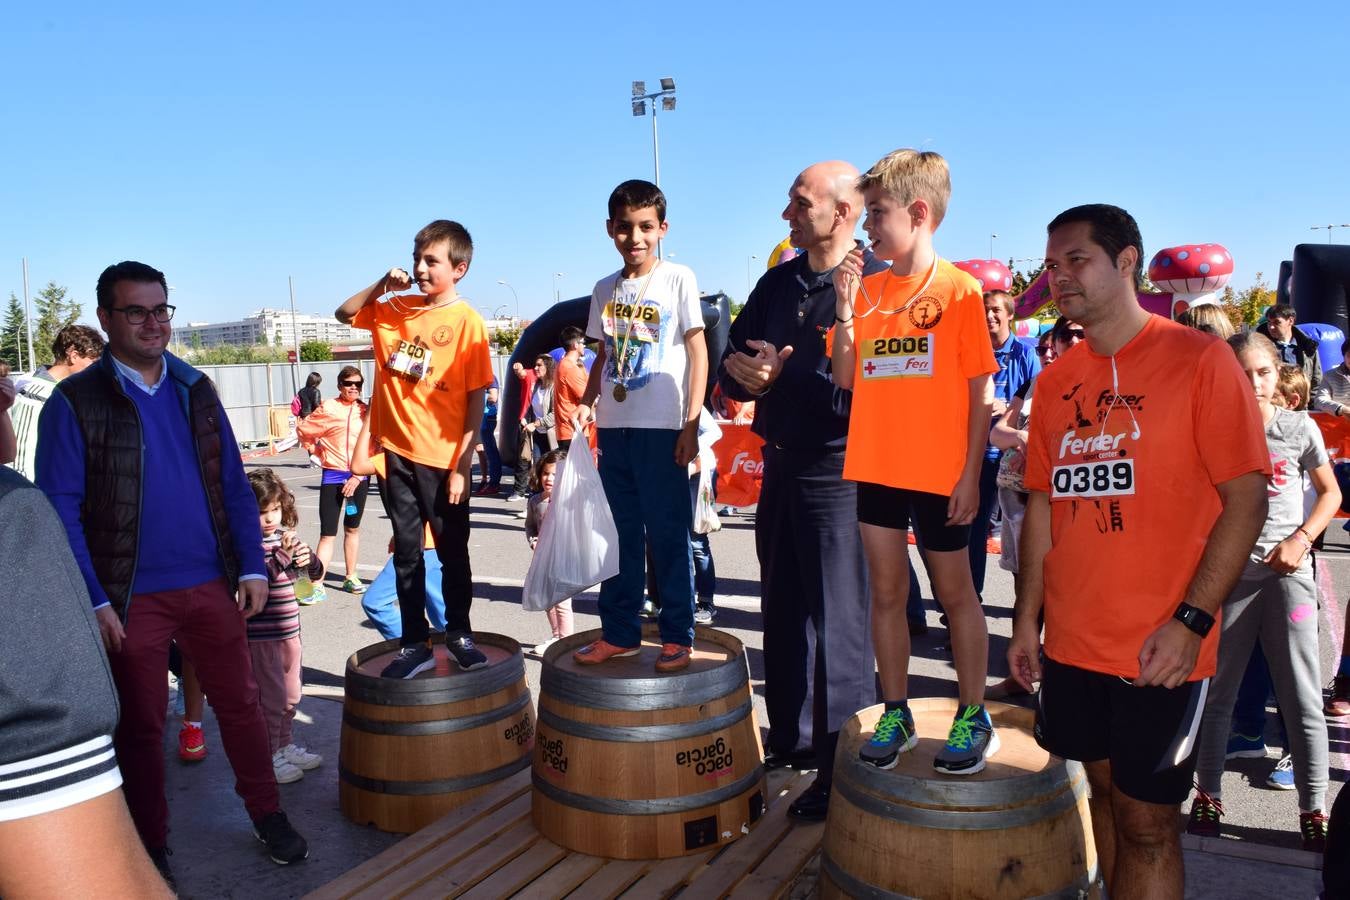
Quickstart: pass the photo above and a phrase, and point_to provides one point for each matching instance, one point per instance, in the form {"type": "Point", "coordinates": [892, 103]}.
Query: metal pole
{"type": "Point", "coordinates": [28, 317]}
{"type": "Point", "coordinates": [295, 330]}
{"type": "Point", "coordinates": [656, 158]}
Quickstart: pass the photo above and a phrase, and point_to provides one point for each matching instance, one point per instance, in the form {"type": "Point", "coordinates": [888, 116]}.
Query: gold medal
{"type": "Point", "coordinates": [620, 393]}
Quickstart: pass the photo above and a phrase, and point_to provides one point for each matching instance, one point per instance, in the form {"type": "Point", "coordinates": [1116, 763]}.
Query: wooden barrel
{"type": "Point", "coordinates": [1020, 828]}
{"type": "Point", "coordinates": [631, 764]}
{"type": "Point", "coordinates": [413, 750]}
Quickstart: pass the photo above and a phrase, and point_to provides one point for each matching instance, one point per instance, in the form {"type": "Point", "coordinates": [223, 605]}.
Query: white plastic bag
{"type": "Point", "coordinates": [705, 510]}
{"type": "Point", "coordinates": [578, 544]}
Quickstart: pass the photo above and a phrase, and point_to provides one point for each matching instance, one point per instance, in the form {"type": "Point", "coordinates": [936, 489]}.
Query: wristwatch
{"type": "Point", "coordinates": [1195, 619]}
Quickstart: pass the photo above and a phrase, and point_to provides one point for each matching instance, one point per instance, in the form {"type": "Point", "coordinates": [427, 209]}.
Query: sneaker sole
{"type": "Point", "coordinates": [300, 774]}
{"type": "Point", "coordinates": [1276, 786]}
{"type": "Point", "coordinates": [281, 862]}
{"type": "Point", "coordinates": [1248, 754]}
{"type": "Point", "coordinates": [417, 670]}
{"type": "Point", "coordinates": [976, 767]}
{"type": "Point", "coordinates": [471, 666]}
{"type": "Point", "coordinates": [891, 761]}
{"type": "Point", "coordinates": [200, 756]}
{"type": "Point", "coordinates": [592, 661]}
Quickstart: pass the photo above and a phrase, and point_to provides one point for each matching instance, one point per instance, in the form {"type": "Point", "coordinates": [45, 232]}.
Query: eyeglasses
{"type": "Point", "coordinates": [137, 314]}
{"type": "Point", "coordinates": [355, 384]}
{"type": "Point", "coordinates": [1045, 351]}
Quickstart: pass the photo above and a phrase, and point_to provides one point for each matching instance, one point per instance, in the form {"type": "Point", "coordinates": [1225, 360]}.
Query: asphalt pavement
{"type": "Point", "coordinates": [215, 854]}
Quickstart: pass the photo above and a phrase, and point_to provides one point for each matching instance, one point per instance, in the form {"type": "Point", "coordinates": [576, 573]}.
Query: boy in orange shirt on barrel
{"type": "Point", "coordinates": [432, 371]}
{"type": "Point", "coordinates": [912, 344]}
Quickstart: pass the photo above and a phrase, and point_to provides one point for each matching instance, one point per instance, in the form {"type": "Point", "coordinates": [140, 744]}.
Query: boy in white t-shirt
{"type": "Point", "coordinates": [651, 372]}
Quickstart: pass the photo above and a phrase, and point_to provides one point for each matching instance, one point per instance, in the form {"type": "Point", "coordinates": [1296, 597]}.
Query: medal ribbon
{"type": "Point", "coordinates": [632, 318]}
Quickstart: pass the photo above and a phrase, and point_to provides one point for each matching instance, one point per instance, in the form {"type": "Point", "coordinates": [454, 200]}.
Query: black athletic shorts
{"type": "Point", "coordinates": [332, 505]}
{"type": "Point", "coordinates": [889, 507]}
{"type": "Point", "coordinates": [1148, 734]}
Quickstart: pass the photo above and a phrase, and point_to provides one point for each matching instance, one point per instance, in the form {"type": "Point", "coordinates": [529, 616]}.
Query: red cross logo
{"type": "Point", "coordinates": [869, 368]}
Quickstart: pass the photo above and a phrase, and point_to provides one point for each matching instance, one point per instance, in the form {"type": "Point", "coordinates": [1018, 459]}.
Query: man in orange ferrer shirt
{"type": "Point", "coordinates": [1146, 468]}
{"type": "Point", "coordinates": [432, 369]}
{"type": "Point", "coordinates": [569, 383]}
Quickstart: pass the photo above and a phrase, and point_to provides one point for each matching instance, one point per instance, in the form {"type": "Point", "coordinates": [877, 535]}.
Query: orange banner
{"type": "Point", "coordinates": [1336, 435]}
{"type": "Point", "coordinates": [740, 465]}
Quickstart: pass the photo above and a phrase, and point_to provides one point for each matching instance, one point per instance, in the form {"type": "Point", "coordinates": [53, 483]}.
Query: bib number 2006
{"type": "Point", "coordinates": [1088, 480]}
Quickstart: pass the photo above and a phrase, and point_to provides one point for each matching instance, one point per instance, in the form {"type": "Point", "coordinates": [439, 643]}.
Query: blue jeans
{"type": "Point", "coordinates": [494, 457]}
{"type": "Point", "coordinates": [979, 529]}
{"type": "Point", "coordinates": [648, 495]}
{"type": "Point", "coordinates": [705, 571]}
{"type": "Point", "coordinates": [380, 601]}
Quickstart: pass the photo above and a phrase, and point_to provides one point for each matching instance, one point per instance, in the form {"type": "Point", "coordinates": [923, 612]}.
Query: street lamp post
{"type": "Point", "coordinates": [556, 295]}
{"type": "Point", "coordinates": [513, 294]}
{"type": "Point", "coordinates": [1328, 229]}
{"type": "Point", "coordinates": [666, 96]}
{"type": "Point", "coordinates": [991, 245]}
{"type": "Point", "coordinates": [750, 273]}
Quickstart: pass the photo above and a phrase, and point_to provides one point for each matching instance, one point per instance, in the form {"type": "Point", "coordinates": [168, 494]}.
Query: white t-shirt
{"type": "Point", "coordinates": [655, 362]}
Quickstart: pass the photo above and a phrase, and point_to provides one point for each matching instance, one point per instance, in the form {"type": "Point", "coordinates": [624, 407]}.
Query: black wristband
{"type": "Point", "coordinates": [1194, 618]}
{"type": "Point", "coordinates": [845, 321]}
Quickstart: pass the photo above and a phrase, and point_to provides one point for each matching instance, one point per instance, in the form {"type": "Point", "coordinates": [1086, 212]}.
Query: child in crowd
{"type": "Point", "coordinates": [653, 369]}
{"type": "Point", "coordinates": [700, 545]}
{"type": "Point", "coordinates": [1291, 390]}
{"type": "Point", "coordinates": [541, 486]}
{"type": "Point", "coordinates": [1276, 601]}
{"type": "Point", "coordinates": [274, 633]}
{"type": "Point", "coordinates": [432, 374]}
{"type": "Point", "coordinates": [913, 345]}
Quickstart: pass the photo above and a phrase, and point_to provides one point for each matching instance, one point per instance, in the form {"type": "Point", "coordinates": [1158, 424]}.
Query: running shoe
{"type": "Point", "coordinates": [409, 662]}
{"type": "Point", "coordinates": [602, 651]}
{"type": "Point", "coordinates": [673, 658]}
{"type": "Point", "coordinates": [1338, 704]}
{"type": "Point", "coordinates": [1313, 827]}
{"type": "Point", "coordinates": [1282, 776]}
{"type": "Point", "coordinates": [970, 742]}
{"type": "Point", "coordinates": [1246, 746]}
{"type": "Point", "coordinates": [318, 595]}
{"type": "Point", "coordinates": [353, 585]}
{"type": "Point", "coordinates": [894, 735]}
{"type": "Point", "coordinates": [704, 613]}
{"type": "Point", "coordinates": [285, 772]}
{"type": "Point", "coordinates": [466, 653]}
{"type": "Point", "coordinates": [191, 744]}
{"type": "Point", "coordinates": [1205, 813]}
{"type": "Point", "coordinates": [284, 844]}
{"type": "Point", "coordinates": [540, 647]}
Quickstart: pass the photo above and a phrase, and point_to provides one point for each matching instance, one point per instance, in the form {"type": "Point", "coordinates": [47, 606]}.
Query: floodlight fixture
{"type": "Point", "coordinates": [667, 103]}
{"type": "Point", "coordinates": [667, 84]}
{"type": "Point", "coordinates": [639, 107]}
{"type": "Point", "coordinates": [639, 88]}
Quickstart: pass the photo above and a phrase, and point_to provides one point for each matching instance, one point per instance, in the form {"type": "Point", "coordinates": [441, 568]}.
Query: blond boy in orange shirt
{"type": "Point", "coordinates": [913, 346]}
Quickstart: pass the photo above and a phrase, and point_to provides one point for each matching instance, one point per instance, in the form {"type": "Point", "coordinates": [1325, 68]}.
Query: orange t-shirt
{"type": "Point", "coordinates": [911, 385]}
{"type": "Point", "coordinates": [1132, 485]}
{"type": "Point", "coordinates": [427, 362]}
{"type": "Point", "coordinates": [569, 384]}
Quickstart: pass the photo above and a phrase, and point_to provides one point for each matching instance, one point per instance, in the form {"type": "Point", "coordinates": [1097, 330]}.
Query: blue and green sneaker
{"type": "Point", "coordinates": [971, 741]}
{"type": "Point", "coordinates": [893, 736]}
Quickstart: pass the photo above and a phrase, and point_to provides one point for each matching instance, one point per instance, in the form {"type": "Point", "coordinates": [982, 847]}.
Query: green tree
{"type": "Point", "coordinates": [315, 351]}
{"type": "Point", "coordinates": [506, 339]}
{"type": "Point", "coordinates": [736, 310]}
{"type": "Point", "coordinates": [196, 342]}
{"type": "Point", "coordinates": [261, 338]}
{"type": "Point", "coordinates": [54, 311]}
{"type": "Point", "coordinates": [13, 335]}
{"type": "Point", "coordinates": [1244, 307]}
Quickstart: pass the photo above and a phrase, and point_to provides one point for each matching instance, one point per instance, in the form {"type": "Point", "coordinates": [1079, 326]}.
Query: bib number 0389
{"type": "Point", "coordinates": [1092, 479]}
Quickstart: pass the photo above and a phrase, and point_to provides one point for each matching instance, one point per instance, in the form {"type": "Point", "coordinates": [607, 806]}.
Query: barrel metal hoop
{"type": "Point", "coordinates": [656, 807]}
{"type": "Point", "coordinates": [958, 819]}
{"type": "Point", "coordinates": [957, 792]}
{"type": "Point", "coordinates": [1079, 890]}
{"type": "Point", "coordinates": [436, 726]}
{"type": "Point", "coordinates": [442, 786]}
{"type": "Point", "coordinates": [643, 694]}
{"type": "Point", "coordinates": [431, 691]}
{"type": "Point", "coordinates": [643, 734]}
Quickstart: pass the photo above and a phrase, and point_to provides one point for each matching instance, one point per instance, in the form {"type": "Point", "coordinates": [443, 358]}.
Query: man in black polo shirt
{"type": "Point", "coordinates": [818, 667]}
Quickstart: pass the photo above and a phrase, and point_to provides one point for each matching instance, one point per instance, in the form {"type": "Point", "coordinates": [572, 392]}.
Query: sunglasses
{"type": "Point", "coordinates": [355, 384]}
{"type": "Point", "coordinates": [1045, 351]}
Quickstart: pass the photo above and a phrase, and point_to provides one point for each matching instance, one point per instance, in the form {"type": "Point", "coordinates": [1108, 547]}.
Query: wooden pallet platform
{"type": "Point", "coordinates": [489, 849]}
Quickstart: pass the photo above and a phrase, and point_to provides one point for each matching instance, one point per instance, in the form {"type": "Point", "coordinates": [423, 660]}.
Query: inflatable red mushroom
{"type": "Point", "coordinates": [990, 273]}
{"type": "Point", "coordinates": [1192, 272]}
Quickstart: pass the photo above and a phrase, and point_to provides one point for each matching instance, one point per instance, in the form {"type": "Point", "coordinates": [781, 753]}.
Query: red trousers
{"type": "Point", "coordinates": [206, 622]}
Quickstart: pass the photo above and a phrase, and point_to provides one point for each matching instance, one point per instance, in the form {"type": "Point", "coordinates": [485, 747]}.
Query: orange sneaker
{"type": "Point", "coordinates": [602, 651]}
{"type": "Point", "coordinates": [191, 744]}
{"type": "Point", "coordinates": [673, 658]}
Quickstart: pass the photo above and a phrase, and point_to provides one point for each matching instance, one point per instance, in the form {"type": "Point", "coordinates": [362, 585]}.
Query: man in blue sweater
{"type": "Point", "coordinates": [138, 458]}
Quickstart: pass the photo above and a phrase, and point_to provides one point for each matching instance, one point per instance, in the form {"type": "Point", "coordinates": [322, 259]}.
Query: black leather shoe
{"type": "Point", "coordinates": [812, 804]}
{"type": "Point", "coordinates": [797, 759]}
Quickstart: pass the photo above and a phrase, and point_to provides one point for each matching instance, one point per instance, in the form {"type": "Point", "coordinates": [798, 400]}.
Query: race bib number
{"type": "Point", "coordinates": [410, 360]}
{"type": "Point", "coordinates": [898, 357]}
{"type": "Point", "coordinates": [1090, 480]}
{"type": "Point", "coordinates": [646, 321]}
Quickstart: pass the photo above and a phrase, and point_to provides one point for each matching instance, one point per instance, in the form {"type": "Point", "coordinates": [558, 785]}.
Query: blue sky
{"type": "Point", "coordinates": [234, 147]}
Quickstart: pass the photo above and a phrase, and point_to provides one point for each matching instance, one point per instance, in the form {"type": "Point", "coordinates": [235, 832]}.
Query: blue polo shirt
{"type": "Point", "coordinates": [1017, 364]}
